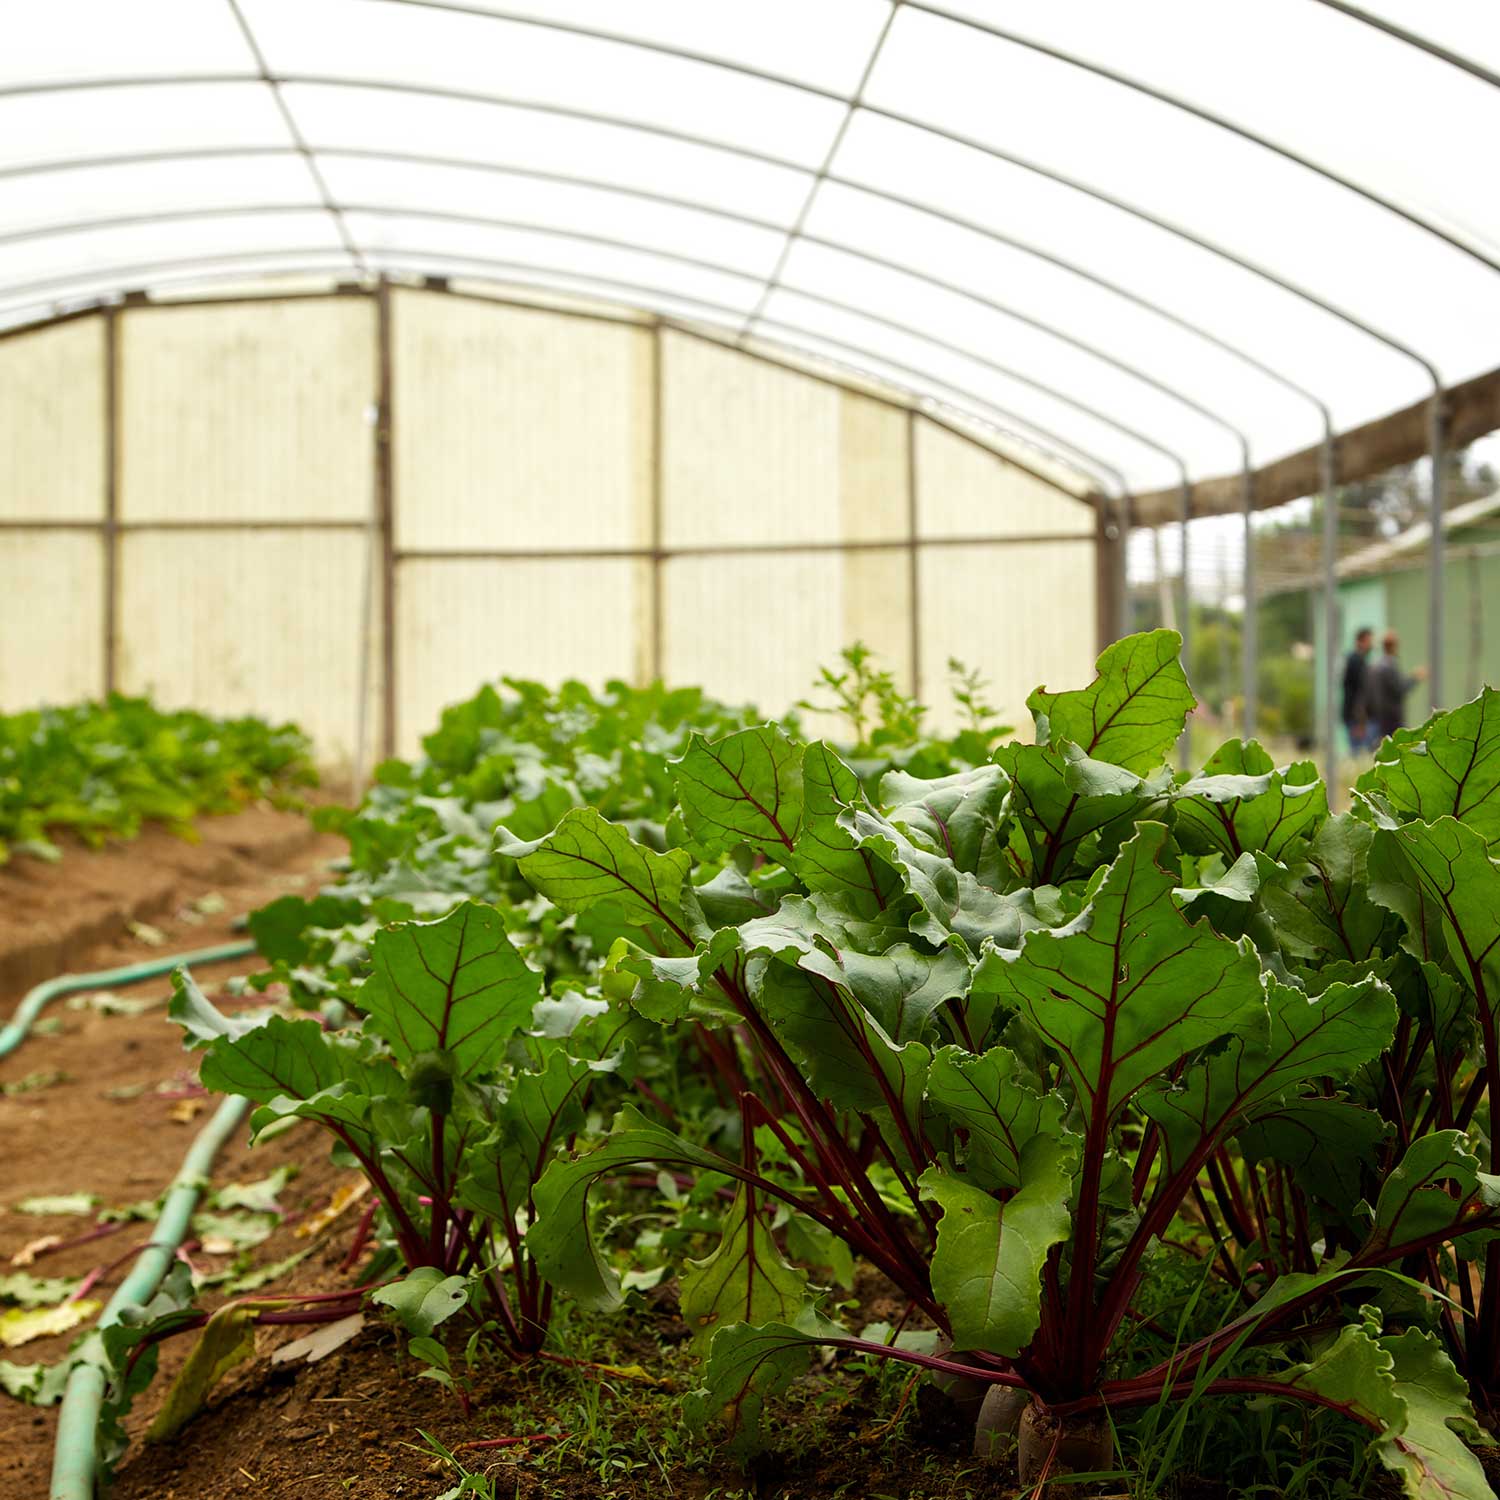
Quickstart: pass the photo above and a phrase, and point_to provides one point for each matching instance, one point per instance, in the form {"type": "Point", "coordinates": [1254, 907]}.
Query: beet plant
{"type": "Point", "coordinates": [1012, 1033]}
{"type": "Point", "coordinates": [451, 1093]}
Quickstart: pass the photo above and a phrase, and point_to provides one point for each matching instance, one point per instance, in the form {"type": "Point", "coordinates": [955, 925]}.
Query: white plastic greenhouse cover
{"type": "Point", "coordinates": [1149, 241]}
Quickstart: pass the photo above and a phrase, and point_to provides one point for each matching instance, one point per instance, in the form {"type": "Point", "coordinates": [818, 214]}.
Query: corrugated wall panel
{"type": "Point", "coordinates": [51, 617]}
{"type": "Point", "coordinates": [52, 423]}
{"type": "Point", "coordinates": [467, 621]}
{"type": "Point", "coordinates": [965, 490]}
{"type": "Point", "coordinates": [247, 411]}
{"type": "Point", "coordinates": [518, 429]}
{"type": "Point", "coordinates": [1022, 613]}
{"type": "Point", "coordinates": [247, 622]}
{"type": "Point", "coordinates": [756, 628]}
{"type": "Point", "coordinates": [873, 440]}
{"type": "Point", "coordinates": [750, 452]}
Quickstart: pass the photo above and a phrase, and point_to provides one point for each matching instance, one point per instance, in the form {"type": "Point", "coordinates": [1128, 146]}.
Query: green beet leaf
{"type": "Point", "coordinates": [827, 856]}
{"type": "Point", "coordinates": [1130, 987]}
{"type": "Point", "coordinates": [1310, 1039]}
{"type": "Point", "coordinates": [586, 860]}
{"type": "Point", "coordinates": [986, 1270]}
{"type": "Point", "coordinates": [456, 986]}
{"type": "Point", "coordinates": [745, 1280]}
{"type": "Point", "coordinates": [1321, 904]}
{"type": "Point", "coordinates": [423, 1298]}
{"type": "Point", "coordinates": [745, 788]}
{"type": "Point", "coordinates": [1404, 1388]}
{"type": "Point", "coordinates": [1132, 713]}
{"type": "Point", "coordinates": [988, 1098]}
{"type": "Point", "coordinates": [1450, 767]}
{"type": "Point", "coordinates": [1241, 803]}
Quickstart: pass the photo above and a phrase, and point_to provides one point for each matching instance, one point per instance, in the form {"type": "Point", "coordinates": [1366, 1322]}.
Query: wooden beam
{"type": "Point", "coordinates": [1473, 409]}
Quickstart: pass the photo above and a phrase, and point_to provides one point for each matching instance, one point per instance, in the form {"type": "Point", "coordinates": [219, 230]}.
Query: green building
{"type": "Point", "coordinates": [1385, 586]}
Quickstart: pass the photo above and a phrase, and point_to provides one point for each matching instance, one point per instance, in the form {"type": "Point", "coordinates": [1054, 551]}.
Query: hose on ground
{"type": "Point", "coordinates": [13, 1033]}
{"type": "Point", "coordinates": [74, 1454]}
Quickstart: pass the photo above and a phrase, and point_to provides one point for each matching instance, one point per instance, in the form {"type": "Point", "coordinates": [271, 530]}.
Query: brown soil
{"type": "Point", "coordinates": [102, 1128]}
{"type": "Point", "coordinates": [51, 914]}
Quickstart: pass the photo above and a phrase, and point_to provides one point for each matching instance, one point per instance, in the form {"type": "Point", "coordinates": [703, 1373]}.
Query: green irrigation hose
{"type": "Point", "coordinates": [74, 1460]}
{"type": "Point", "coordinates": [14, 1031]}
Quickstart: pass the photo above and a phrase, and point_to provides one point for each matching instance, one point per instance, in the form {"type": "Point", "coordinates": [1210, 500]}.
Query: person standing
{"type": "Point", "coordinates": [1356, 706]}
{"type": "Point", "coordinates": [1389, 687]}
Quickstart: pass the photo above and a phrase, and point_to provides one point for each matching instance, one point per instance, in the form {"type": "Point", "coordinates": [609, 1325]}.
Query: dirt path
{"type": "Point", "coordinates": [88, 1117]}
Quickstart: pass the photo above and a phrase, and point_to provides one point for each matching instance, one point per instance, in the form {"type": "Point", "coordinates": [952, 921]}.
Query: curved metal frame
{"type": "Point", "coordinates": [766, 159]}
{"type": "Point", "coordinates": [715, 267]}
{"type": "Point", "coordinates": [413, 261]}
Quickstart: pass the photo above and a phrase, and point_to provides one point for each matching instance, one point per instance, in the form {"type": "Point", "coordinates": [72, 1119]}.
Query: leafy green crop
{"type": "Point", "coordinates": [101, 770]}
{"type": "Point", "coordinates": [1012, 1031]}
{"type": "Point", "coordinates": [1038, 1030]}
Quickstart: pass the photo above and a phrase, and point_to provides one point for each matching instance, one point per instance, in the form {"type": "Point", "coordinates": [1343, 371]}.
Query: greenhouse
{"type": "Point", "coordinates": [749, 751]}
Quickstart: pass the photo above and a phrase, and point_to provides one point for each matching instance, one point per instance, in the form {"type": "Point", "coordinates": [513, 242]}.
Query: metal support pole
{"type": "Point", "coordinates": [1328, 478]}
{"type": "Point", "coordinates": [1250, 621]}
{"type": "Point", "coordinates": [657, 650]}
{"type": "Point", "coordinates": [110, 535]}
{"type": "Point", "coordinates": [385, 508]}
{"type": "Point", "coordinates": [913, 559]}
{"type": "Point", "coordinates": [1437, 430]}
{"type": "Point", "coordinates": [1107, 545]}
{"type": "Point", "coordinates": [1184, 609]}
{"type": "Point", "coordinates": [1124, 615]}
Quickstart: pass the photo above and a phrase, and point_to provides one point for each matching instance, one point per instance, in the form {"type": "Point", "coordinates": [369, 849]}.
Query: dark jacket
{"type": "Point", "coordinates": [1356, 688]}
{"type": "Point", "coordinates": [1387, 688]}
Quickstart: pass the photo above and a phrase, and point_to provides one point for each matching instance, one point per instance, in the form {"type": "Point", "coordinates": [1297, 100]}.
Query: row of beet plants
{"type": "Point", "coordinates": [1019, 1035]}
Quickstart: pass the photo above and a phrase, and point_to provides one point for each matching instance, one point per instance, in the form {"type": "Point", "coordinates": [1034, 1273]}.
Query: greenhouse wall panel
{"type": "Point", "coordinates": [877, 607]}
{"type": "Point", "coordinates": [51, 617]}
{"type": "Point", "coordinates": [52, 424]}
{"type": "Point", "coordinates": [247, 411]}
{"type": "Point", "coordinates": [750, 452]}
{"type": "Point", "coordinates": [247, 621]}
{"type": "Point", "coordinates": [753, 628]}
{"type": "Point", "coordinates": [1021, 613]}
{"type": "Point", "coordinates": [461, 622]}
{"type": "Point", "coordinates": [965, 490]}
{"type": "Point", "coordinates": [874, 443]}
{"type": "Point", "coordinates": [519, 429]}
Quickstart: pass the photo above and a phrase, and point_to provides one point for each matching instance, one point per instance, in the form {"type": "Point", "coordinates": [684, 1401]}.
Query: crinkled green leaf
{"type": "Point", "coordinates": [587, 859]}
{"type": "Point", "coordinates": [1436, 1191]}
{"type": "Point", "coordinates": [541, 1109]}
{"type": "Point", "coordinates": [1131, 986]}
{"type": "Point", "coordinates": [1440, 879]}
{"type": "Point", "coordinates": [1326, 1142]}
{"type": "Point", "coordinates": [1134, 710]}
{"type": "Point", "coordinates": [827, 857]}
{"type": "Point", "coordinates": [1321, 905]}
{"type": "Point", "coordinates": [956, 816]}
{"type": "Point", "coordinates": [1450, 767]}
{"type": "Point", "coordinates": [1240, 802]}
{"type": "Point", "coordinates": [745, 788]}
{"type": "Point", "coordinates": [987, 1098]}
{"type": "Point", "coordinates": [294, 1058]}
{"type": "Point", "coordinates": [952, 904]}
{"type": "Point", "coordinates": [456, 986]}
{"type": "Point", "coordinates": [1404, 1388]}
{"type": "Point", "coordinates": [1310, 1038]}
